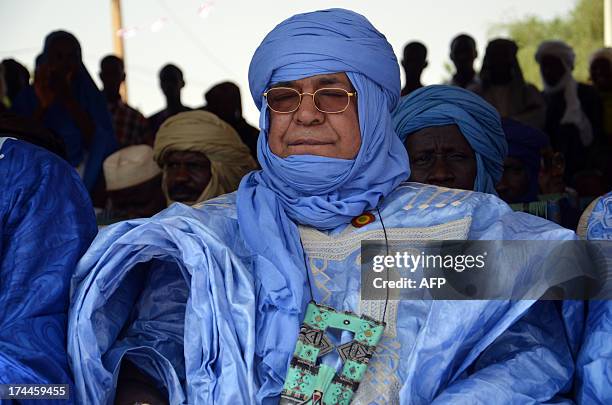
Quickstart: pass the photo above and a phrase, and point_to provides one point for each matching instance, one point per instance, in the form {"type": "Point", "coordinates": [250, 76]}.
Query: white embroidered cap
{"type": "Point", "coordinates": [129, 167]}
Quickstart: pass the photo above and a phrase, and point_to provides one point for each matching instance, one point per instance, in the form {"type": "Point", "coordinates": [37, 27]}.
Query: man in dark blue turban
{"type": "Point", "coordinates": [454, 138]}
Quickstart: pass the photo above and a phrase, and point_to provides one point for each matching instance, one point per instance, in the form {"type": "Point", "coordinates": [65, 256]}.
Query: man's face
{"type": "Point", "coordinates": [171, 83]}
{"type": "Point", "coordinates": [414, 62]}
{"type": "Point", "coordinates": [601, 74]}
{"type": "Point", "coordinates": [500, 65]}
{"type": "Point", "coordinates": [186, 175]}
{"type": "Point", "coordinates": [441, 156]}
{"type": "Point", "coordinates": [224, 101]}
{"type": "Point", "coordinates": [515, 181]}
{"type": "Point", "coordinates": [63, 57]}
{"type": "Point", "coordinates": [111, 74]}
{"type": "Point", "coordinates": [308, 131]}
{"type": "Point", "coordinates": [552, 69]}
{"type": "Point", "coordinates": [463, 54]}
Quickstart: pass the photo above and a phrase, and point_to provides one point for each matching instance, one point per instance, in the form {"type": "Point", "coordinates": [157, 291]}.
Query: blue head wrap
{"type": "Point", "coordinates": [477, 120]}
{"type": "Point", "coordinates": [318, 191]}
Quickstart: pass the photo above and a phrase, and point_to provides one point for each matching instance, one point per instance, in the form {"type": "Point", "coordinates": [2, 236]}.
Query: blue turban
{"type": "Point", "coordinates": [477, 120]}
{"type": "Point", "coordinates": [318, 191]}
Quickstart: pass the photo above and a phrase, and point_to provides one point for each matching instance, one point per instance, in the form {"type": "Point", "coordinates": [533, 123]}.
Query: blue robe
{"type": "Point", "coordinates": [177, 295]}
{"type": "Point", "coordinates": [47, 223]}
{"type": "Point", "coordinates": [60, 122]}
{"type": "Point", "coordinates": [594, 363]}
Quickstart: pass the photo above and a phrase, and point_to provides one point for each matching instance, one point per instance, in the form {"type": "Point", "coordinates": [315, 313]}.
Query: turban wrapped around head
{"type": "Point", "coordinates": [204, 132]}
{"type": "Point", "coordinates": [558, 49]}
{"type": "Point", "coordinates": [477, 120]}
{"type": "Point", "coordinates": [568, 86]}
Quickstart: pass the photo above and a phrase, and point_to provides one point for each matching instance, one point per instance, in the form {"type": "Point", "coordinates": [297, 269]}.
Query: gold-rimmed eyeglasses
{"type": "Point", "coordinates": [329, 100]}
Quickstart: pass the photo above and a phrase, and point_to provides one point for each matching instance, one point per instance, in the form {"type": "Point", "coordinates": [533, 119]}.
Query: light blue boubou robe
{"type": "Point", "coordinates": [176, 295]}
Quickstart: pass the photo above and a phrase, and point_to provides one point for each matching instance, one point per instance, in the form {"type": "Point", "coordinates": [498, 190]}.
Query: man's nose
{"type": "Point", "coordinates": [181, 173]}
{"type": "Point", "coordinates": [440, 173]}
{"type": "Point", "coordinates": [307, 113]}
{"type": "Point", "coordinates": [502, 186]}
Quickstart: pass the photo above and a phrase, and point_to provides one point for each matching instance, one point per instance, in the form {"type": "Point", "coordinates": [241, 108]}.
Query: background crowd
{"type": "Point", "coordinates": [559, 139]}
{"type": "Point", "coordinates": [486, 130]}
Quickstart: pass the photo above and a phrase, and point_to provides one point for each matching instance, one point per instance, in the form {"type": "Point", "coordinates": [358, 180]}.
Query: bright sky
{"type": "Point", "coordinates": [218, 44]}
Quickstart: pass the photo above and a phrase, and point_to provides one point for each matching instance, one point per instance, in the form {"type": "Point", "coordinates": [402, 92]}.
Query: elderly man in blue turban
{"type": "Point", "coordinates": [207, 301]}
{"type": "Point", "coordinates": [454, 138]}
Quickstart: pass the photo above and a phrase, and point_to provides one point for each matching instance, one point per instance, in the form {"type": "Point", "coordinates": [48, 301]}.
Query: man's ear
{"type": "Point", "coordinates": [123, 77]}
{"type": "Point", "coordinates": [425, 64]}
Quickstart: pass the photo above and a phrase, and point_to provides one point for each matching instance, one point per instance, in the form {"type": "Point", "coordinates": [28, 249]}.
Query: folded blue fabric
{"type": "Point", "coordinates": [47, 223]}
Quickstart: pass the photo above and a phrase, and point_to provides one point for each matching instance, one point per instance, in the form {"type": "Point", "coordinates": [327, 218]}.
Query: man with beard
{"type": "Point", "coordinates": [201, 157]}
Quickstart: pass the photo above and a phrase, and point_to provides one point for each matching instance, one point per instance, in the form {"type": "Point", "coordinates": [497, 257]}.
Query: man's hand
{"type": "Point", "coordinates": [135, 387]}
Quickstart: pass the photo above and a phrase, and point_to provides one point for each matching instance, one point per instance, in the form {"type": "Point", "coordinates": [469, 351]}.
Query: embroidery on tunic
{"type": "Point", "coordinates": [381, 383]}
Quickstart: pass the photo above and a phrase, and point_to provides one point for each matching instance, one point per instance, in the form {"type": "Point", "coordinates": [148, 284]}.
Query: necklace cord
{"type": "Point", "coordinates": [386, 268]}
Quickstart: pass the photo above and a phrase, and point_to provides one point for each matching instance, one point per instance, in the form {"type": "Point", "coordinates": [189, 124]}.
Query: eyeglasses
{"type": "Point", "coordinates": [285, 100]}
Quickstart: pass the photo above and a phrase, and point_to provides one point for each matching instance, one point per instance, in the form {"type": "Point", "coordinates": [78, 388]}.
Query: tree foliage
{"type": "Point", "coordinates": [582, 29]}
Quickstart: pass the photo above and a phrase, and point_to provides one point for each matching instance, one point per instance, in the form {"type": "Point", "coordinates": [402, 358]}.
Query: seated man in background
{"type": "Point", "coordinates": [453, 137]}
{"type": "Point", "coordinates": [207, 301]}
{"type": "Point", "coordinates": [600, 69]}
{"type": "Point", "coordinates": [171, 83]}
{"type": "Point", "coordinates": [131, 127]}
{"type": "Point", "coordinates": [225, 102]}
{"type": "Point", "coordinates": [65, 99]}
{"type": "Point", "coordinates": [503, 85]}
{"type": "Point", "coordinates": [463, 53]}
{"type": "Point", "coordinates": [16, 77]}
{"type": "Point", "coordinates": [574, 111]}
{"type": "Point", "coordinates": [414, 62]}
{"type": "Point", "coordinates": [47, 223]}
{"type": "Point", "coordinates": [519, 185]}
{"type": "Point", "coordinates": [201, 156]}
{"type": "Point", "coordinates": [133, 185]}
